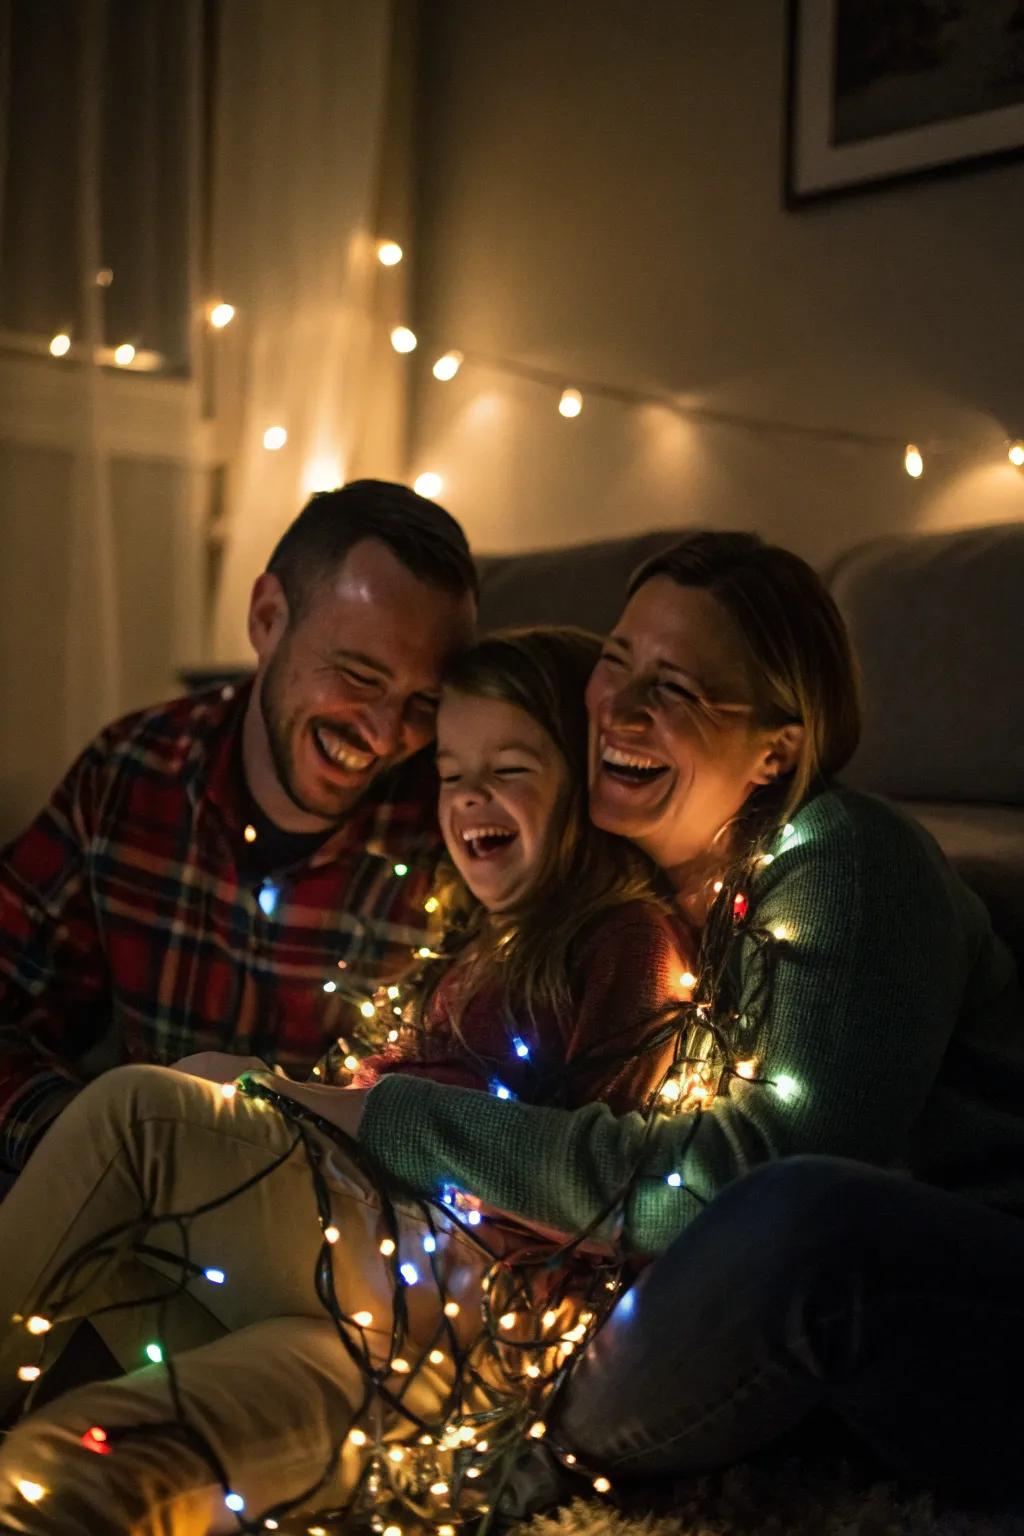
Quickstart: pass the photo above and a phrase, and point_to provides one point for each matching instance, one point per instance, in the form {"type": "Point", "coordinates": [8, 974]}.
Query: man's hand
{"type": "Point", "coordinates": [219, 1066]}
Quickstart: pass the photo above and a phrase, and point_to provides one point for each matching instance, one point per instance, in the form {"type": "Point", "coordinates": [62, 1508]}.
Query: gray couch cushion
{"type": "Point", "coordinates": [985, 843]}
{"type": "Point", "coordinates": [583, 584]}
{"type": "Point", "coordinates": [938, 624]}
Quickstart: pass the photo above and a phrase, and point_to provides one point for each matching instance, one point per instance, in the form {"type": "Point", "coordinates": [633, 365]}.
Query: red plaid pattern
{"type": "Point", "coordinates": [121, 911]}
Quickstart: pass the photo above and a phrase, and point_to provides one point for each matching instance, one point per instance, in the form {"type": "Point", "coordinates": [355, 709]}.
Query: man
{"type": "Point", "coordinates": [241, 868]}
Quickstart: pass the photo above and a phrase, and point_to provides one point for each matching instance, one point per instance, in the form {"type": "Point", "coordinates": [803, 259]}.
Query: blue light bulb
{"type": "Point", "coordinates": [429, 1243]}
{"type": "Point", "coordinates": [520, 1047]}
{"type": "Point", "coordinates": [410, 1274]}
{"type": "Point", "coordinates": [268, 898]}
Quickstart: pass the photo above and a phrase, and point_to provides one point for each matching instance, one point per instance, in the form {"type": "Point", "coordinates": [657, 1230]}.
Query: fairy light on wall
{"type": "Point", "coordinates": [60, 345]}
{"type": "Point", "coordinates": [274, 439]}
{"type": "Point", "coordinates": [389, 253]}
{"type": "Point", "coordinates": [402, 339]}
{"type": "Point", "coordinates": [1015, 453]}
{"type": "Point", "coordinates": [447, 366]}
{"type": "Point", "coordinates": [221, 315]}
{"type": "Point", "coordinates": [428, 484]}
{"type": "Point", "coordinates": [913, 461]}
{"type": "Point", "coordinates": [571, 403]}
{"type": "Point", "coordinates": [124, 355]}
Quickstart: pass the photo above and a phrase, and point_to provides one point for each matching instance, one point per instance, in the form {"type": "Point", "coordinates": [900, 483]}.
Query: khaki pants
{"type": "Point", "coordinates": [262, 1372]}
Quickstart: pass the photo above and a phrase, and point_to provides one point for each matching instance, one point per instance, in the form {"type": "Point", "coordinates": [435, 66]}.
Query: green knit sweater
{"type": "Point", "coordinates": [894, 1035]}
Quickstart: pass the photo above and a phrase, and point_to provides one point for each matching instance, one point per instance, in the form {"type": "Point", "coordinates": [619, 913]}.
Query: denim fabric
{"type": "Point", "coordinates": [817, 1284]}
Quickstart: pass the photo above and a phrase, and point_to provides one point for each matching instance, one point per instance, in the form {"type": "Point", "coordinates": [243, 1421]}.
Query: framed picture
{"type": "Point", "coordinates": [880, 90]}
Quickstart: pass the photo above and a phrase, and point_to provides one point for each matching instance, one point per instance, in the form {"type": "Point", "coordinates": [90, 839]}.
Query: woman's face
{"type": "Point", "coordinates": [502, 782]}
{"type": "Point", "coordinates": [674, 750]}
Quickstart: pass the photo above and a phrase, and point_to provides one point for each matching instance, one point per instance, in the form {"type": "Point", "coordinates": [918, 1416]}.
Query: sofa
{"type": "Point", "coordinates": [937, 621]}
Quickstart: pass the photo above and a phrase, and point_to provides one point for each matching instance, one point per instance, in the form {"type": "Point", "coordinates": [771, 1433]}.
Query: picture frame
{"type": "Point", "coordinates": [879, 91]}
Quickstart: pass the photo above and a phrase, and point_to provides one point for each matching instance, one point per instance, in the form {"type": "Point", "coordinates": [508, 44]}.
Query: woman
{"type": "Point", "coordinates": [864, 1025]}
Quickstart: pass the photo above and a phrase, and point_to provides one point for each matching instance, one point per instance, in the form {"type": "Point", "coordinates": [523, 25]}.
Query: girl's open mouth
{"type": "Point", "coordinates": [486, 841]}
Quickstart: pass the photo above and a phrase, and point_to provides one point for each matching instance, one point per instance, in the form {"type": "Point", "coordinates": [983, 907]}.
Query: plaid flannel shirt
{"type": "Point", "coordinates": [123, 918]}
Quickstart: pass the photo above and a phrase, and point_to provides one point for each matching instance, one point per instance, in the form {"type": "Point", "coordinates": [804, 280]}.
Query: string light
{"type": "Point", "coordinates": [330, 986]}
{"type": "Point", "coordinates": [228, 1090]}
{"type": "Point", "coordinates": [29, 1373]}
{"type": "Point", "coordinates": [436, 1357]}
{"type": "Point", "coordinates": [913, 462]}
{"type": "Point", "coordinates": [60, 346]}
{"type": "Point", "coordinates": [367, 1010]}
{"type": "Point", "coordinates": [447, 366]}
{"type": "Point", "coordinates": [357, 1437]}
{"type": "Point", "coordinates": [786, 1087]}
{"type": "Point", "coordinates": [274, 439]}
{"type": "Point", "coordinates": [221, 315]}
{"type": "Point", "coordinates": [746, 1068]}
{"type": "Point", "coordinates": [389, 253]}
{"type": "Point", "coordinates": [104, 277]}
{"type": "Point", "coordinates": [124, 355]}
{"type": "Point", "coordinates": [430, 905]}
{"type": "Point", "coordinates": [332, 1234]}
{"type": "Point", "coordinates": [37, 1324]}
{"type": "Point", "coordinates": [234, 1502]}
{"type": "Point", "coordinates": [687, 979]}
{"type": "Point", "coordinates": [30, 1491]}
{"type": "Point", "coordinates": [401, 870]}
{"type": "Point", "coordinates": [428, 484]}
{"type": "Point", "coordinates": [363, 1319]}
{"type": "Point", "coordinates": [571, 403]}
{"type": "Point", "coordinates": [402, 339]}
{"type": "Point", "coordinates": [1015, 452]}
{"type": "Point", "coordinates": [267, 898]}
{"type": "Point", "coordinates": [387, 1247]}
{"type": "Point", "coordinates": [249, 833]}
{"type": "Point", "coordinates": [215, 1276]}
{"type": "Point", "coordinates": [602, 1485]}
{"type": "Point", "coordinates": [154, 1353]}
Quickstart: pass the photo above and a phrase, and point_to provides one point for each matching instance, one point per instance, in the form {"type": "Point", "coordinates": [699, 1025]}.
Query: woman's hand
{"type": "Point", "coordinates": [219, 1066]}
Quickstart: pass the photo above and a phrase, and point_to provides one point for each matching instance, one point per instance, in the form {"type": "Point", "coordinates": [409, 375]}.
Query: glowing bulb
{"type": "Point", "coordinates": [533, 1371]}
{"type": "Point", "coordinates": [271, 1525]}
{"type": "Point", "coordinates": [675, 1179]}
{"type": "Point", "coordinates": [474, 1218]}
{"type": "Point", "coordinates": [392, 1530]}
{"type": "Point", "coordinates": [670, 1090]}
{"type": "Point", "coordinates": [446, 1530]}
{"type": "Point", "coordinates": [362, 1319]}
{"type": "Point", "coordinates": [124, 354]}
{"type": "Point", "coordinates": [687, 979]}
{"type": "Point", "coordinates": [428, 484]}
{"type": "Point", "coordinates": [447, 366]}
{"type": "Point", "coordinates": [38, 1324]}
{"type": "Point", "coordinates": [221, 315]}
{"type": "Point", "coordinates": [33, 1492]}
{"type": "Point", "coordinates": [538, 1429]}
{"type": "Point", "coordinates": [396, 1454]}
{"type": "Point", "coordinates": [235, 1502]}
{"type": "Point", "coordinates": [60, 346]}
{"type": "Point", "coordinates": [520, 1047]}
{"type": "Point", "coordinates": [357, 1436]}
{"type": "Point", "coordinates": [367, 1009]}
{"type": "Point", "coordinates": [788, 829]}
{"type": "Point", "coordinates": [29, 1373]}
{"type": "Point", "coordinates": [913, 463]}
{"type": "Point", "coordinates": [699, 1091]}
{"type": "Point", "coordinates": [250, 833]}
{"type": "Point", "coordinates": [275, 438]}
{"type": "Point", "coordinates": [104, 277]}
{"type": "Point", "coordinates": [330, 986]}
{"type": "Point", "coordinates": [401, 869]}
{"type": "Point", "coordinates": [424, 953]}
{"type": "Point", "coordinates": [571, 403]}
{"type": "Point", "coordinates": [402, 339]}
{"type": "Point", "coordinates": [394, 992]}
{"type": "Point", "coordinates": [785, 1087]}
{"type": "Point", "coordinates": [767, 858]}
{"type": "Point", "coordinates": [549, 1319]}
{"type": "Point", "coordinates": [569, 1459]}
{"type": "Point", "coordinates": [451, 1309]}
{"type": "Point", "coordinates": [409, 1273]}
{"type": "Point", "coordinates": [602, 1485]}
{"type": "Point", "coordinates": [779, 932]}
{"type": "Point", "coordinates": [746, 1068]}
{"type": "Point", "coordinates": [436, 1357]}
{"type": "Point", "coordinates": [154, 1353]}
{"type": "Point", "coordinates": [387, 1247]}
{"type": "Point", "coordinates": [332, 1234]}
{"type": "Point", "coordinates": [717, 887]}
{"type": "Point", "coordinates": [576, 1334]}
{"type": "Point", "coordinates": [473, 1472]}
{"type": "Point", "coordinates": [439, 1488]}
{"type": "Point", "coordinates": [351, 1063]}
{"type": "Point", "coordinates": [1015, 452]}
{"type": "Point", "coordinates": [430, 905]}
{"type": "Point", "coordinates": [228, 1090]}
{"type": "Point", "coordinates": [215, 1276]}
{"type": "Point", "coordinates": [399, 1365]}
{"type": "Point", "coordinates": [389, 253]}
{"type": "Point", "coordinates": [267, 899]}
{"type": "Point", "coordinates": [507, 1320]}
{"type": "Point", "coordinates": [429, 1243]}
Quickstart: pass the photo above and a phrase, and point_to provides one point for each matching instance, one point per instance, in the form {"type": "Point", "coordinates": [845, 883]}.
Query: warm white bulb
{"type": "Point", "coordinates": [400, 1365]}
{"type": "Point", "coordinates": [447, 366]}
{"type": "Point", "coordinates": [367, 1009]}
{"type": "Point", "coordinates": [436, 1357]}
{"type": "Point", "coordinates": [222, 315]}
{"type": "Point", "coordinates": [387, 1247]}
{"type": "Point", "coordinates": [29, 1373]}
{"type": "Point", "coordinates": [331, 1234]}
{"type": "Point", "coordinates": [538, 1430]}
{"type": "Point", "coordinates": [507, 1321]}
{"type": "Point", "coordinates": [670, 1090]}
{"type": "Point", "coordinates": [571, 402]}
{"type": "Point", "coordinates": [451, 1309]}
{"type": "Point", "coordinates": [1015, 452]}
{"type": "Point", "coordinates": [357, 1436]}
{"type": "Point", "coordinates": [124, 354]}
{"type": "Point", "coordinates": [362, 1319]}
{"type": "Point", "coordinates": [352, 1063]}
{"type": "Point", "coordinates": [275, 438]}
{"type": "Point", "coordinates": [402, 339]}
{"type": "Point", "coordinates": [229, 1090]}
{"type": "Point", "coordinates": [389, 253]}
{"type": "Point", "coordinates": [428, 484]}
{"type": "Point", "coordinates": [38, 1324]}
{"type": "Point", "coordinates": [913, 463]}
{"type": "Point", "coordinates": [687, 979]}
{"type": "Point", "coordinates": [60, 346]}
{"type": "Point", "coordinates": [746, 1068]}
{"type": "Point", "coordinates": [33, 1492]}
{"type": "Point", "coordinates": [602, 1485]}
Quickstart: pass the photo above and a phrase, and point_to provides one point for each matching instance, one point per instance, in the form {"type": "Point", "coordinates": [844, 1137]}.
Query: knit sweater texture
{"type": "Point", "coordinates": [894, 1035]}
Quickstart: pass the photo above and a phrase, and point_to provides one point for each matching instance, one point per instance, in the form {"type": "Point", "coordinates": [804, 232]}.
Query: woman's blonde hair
{"type": "Point", "coordinates": [526, 955]}
{"type": "Point", "coordinates": [800, 662]}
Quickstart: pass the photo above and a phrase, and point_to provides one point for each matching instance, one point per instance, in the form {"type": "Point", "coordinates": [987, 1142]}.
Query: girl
{"type": "Point", "coordinates": [562, 988]}
{"type": "Point", "coordinates": [565, 964]}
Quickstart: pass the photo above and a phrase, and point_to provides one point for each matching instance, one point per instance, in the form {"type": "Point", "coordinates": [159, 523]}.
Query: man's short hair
{"type": "Point", "coordinates": [422, 535]}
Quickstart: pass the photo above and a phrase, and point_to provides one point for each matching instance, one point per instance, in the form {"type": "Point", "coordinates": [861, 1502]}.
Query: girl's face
{"type": "Point", "coordinates": [502, 782]}
{"type": "Point", "coordinates": [674, 747]}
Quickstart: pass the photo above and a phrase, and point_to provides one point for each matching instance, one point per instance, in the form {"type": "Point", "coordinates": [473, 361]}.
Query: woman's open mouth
{"type": "Point", "coordinates": [488, 840]}
{"type": "Point", "coordinates": [635, 769]}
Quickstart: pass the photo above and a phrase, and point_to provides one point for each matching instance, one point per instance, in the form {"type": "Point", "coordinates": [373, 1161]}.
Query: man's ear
{"type": "Point", "coordinates": [268, 615]}
{"type": "Point", "coordinates": [781, 753]}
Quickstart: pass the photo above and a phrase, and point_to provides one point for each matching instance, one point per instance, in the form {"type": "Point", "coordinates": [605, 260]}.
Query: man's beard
{"type": "Point", "coordinates": [282, 732]}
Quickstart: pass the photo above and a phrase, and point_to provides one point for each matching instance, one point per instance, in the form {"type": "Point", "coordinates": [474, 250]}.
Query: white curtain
{"type": "Point", "coordinates": [311, 99]}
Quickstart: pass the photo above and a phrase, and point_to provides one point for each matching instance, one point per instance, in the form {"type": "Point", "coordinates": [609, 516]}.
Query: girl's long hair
{"type": "Point", "coordinates": [526, 955]}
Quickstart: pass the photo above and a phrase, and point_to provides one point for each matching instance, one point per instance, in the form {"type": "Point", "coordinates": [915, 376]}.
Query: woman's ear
{"type": "Point", "coordinates": [781, 753]}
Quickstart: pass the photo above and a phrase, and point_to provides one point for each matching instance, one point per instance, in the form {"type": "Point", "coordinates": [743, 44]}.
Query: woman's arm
{"type": "Point", "coordinates": [867, 992]}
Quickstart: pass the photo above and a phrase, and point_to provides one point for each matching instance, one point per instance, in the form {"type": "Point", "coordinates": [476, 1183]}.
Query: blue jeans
{"type": "Point", "coordinates": [817, 1285]}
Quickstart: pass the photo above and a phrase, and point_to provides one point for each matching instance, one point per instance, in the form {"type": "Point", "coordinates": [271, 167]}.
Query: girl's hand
{"type": "Point", "coordinates": [219, 1066]}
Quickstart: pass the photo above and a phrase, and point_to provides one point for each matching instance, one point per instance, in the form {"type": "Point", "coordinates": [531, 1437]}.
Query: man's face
{"type": "Point", "coordinates": [351, 687]}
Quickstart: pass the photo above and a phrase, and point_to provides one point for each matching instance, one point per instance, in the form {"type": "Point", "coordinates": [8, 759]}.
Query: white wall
{"type": "Point", "coordinates": [599, 192]}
